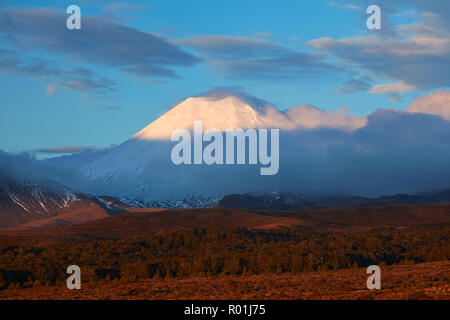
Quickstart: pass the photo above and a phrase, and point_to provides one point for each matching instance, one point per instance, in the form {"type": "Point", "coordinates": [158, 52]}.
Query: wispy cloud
{"type": "Point", "coordinates": [354, 85]}
{"type": "Point", "coordinates": [77, 78]}
{"type": "Point", "coordinates": [65, 149]}
{"type": "Point", "coordinates": [248, 58]}
{"type": "Point", "coordinates": [415, 62]}
{"type": "Point", "coordinates": [348, 6]}
{"type": "Point", "coordinates": [393, 89]}
{"type": "Point", "coordinates": [100, 42]}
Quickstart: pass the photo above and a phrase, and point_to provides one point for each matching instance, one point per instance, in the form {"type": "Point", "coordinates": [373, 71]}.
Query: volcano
{"type": "Point", "coordinates": [141, 168]}
{"type": "Point", "coordinates": [321, 153]}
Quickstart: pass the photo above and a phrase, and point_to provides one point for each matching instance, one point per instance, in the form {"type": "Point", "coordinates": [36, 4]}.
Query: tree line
{"type": "Point", "coordinates": [215, 252]}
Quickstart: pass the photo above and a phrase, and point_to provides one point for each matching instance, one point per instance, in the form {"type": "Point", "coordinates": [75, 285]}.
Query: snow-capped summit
{"type": "Point", "coordinates": [224, 113]}
{"type": "Point", "coordinates": [232, 111]}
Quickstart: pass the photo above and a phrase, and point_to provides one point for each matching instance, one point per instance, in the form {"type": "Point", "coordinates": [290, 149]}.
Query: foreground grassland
{"type": "Point", "coordinates": [235, 254]}
{"type": "Point", "coordinates": [412, 282]}
{"type": "Point", "coordinates": [234, 263]}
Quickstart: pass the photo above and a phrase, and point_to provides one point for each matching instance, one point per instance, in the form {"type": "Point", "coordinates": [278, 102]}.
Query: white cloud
{"type": "Point", "coordinates": [415, 57]}
{"type": "Point", "coordinates": [307, 116]}
{"type": "Point", "coordinates": [392, 88]}
{"type": "Point", "coordinates": [436, 103]}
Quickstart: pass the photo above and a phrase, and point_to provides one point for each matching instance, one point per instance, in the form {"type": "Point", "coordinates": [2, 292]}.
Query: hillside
{"type": "Point", "coordinates": [29, 204]}
{"type": "Point", "coordinates": [286, 201]}
{"type": "Point", "coordinates": [141, 222]}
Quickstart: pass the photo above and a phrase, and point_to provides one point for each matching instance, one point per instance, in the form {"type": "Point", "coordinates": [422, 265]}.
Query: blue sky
{"type": "Point", "coordinates": [133, 60]}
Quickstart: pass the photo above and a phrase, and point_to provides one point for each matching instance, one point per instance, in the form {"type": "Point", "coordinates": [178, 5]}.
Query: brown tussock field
{"type": "Point", "coordinates": [400, 282]}
{"type": "Point", "coordinates": [235, 254]}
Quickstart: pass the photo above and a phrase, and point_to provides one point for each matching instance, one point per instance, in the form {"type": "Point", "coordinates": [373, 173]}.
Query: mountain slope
{"type": "Point", "coordinates": [33, 204]}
